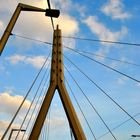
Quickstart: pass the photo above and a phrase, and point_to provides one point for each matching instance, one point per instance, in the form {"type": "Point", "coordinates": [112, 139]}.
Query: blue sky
{"type": "Point", "coordinates": [114, 20]}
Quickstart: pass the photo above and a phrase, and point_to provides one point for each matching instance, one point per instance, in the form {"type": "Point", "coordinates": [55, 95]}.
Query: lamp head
{"type": "Point", "coordinates": [52, 13]}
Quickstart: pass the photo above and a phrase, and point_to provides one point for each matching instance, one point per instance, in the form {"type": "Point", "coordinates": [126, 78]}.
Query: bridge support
{"type": "Point", "coordinates": [57, 83]}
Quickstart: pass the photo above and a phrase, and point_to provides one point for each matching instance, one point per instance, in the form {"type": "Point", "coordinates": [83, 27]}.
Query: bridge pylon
{"type": "Point", "coordinates": [57, 83]}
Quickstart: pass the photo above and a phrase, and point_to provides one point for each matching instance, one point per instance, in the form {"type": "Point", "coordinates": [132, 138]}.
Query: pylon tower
{"type": "Point", "coordinates": [57, 83]}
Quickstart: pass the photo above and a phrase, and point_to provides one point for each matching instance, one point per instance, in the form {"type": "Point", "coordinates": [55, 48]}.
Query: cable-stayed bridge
{"type": "Point", "coordinates": [56, 77]}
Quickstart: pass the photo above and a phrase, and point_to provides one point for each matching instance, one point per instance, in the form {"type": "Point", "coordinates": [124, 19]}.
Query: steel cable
{"type": "Point", "coordinates": [49, 5]}
{"type": "Point", "coordinates": [117, 126]}
{"type": "Point", "coordinates": [92, 106]}
{"type": "Point", "coordinates": [103, 41]}
{"type": "Point", "coordinates": [24, 99]}
{"type": "Point", "coordinates": [80, 107]}
{"type": "Point", "coordinates": [49, 122]}
{"type": "Point", "coordinates": [32, 39]}
{"type": "Point", "coordinates": [32, 102]}
{"type": "Point", "coordinates": [37, 101]}
{"type": "Point", "coordinates": [105, 65]}
{"type": "Point", "coordinates": [103, 91]}
{"type": "Point", "coordinates": [109, 58]}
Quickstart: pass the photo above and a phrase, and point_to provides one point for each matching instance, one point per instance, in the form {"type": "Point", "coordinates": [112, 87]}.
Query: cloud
{"type": "Point", "coordinates": [115, 9]}
{"type": "Point", "coordinates": [102, 51]}
{"type": "Point", "coordinates": [58, 122]}
{"type": "Point", "coordinates": [67, 5]}
{"type": "Point", "coordinates": [4, 125]}
{"type": "Point", "coordinates": [63, 5]}
{"type": "Point", "coordinates": [81, 9]}
{"type": "Point", "coordinates": [122, 80]}
{"type": "Point", "coordinates": [68, 24]}
{"type": "Point", "coordinates": [35, 61]}
{"type": "Point", "coordinates": [38, 25]}
{"type": "Point", "coordinates": [1, 25]}
{"type": "Point", "coordinates": [2, 68]}
{"type": "Point", "coordinates": [9, 103]}
{"type": "Point", "coordinates": [69, 27]}
{"type": "Point", "coordinates": [103, 33]}
{"type": "Point", "coordinates": [16, 59]}
{"type": "Point", "coordinates": [138, 85]}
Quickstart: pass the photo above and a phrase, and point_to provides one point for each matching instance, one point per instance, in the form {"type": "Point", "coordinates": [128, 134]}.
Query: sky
{"type": "Point", "coordinates": [112, 20]}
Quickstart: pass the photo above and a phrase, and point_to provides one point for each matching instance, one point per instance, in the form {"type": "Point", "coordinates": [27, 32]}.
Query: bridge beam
{"type": "Point", "coordinates": [57, 82]}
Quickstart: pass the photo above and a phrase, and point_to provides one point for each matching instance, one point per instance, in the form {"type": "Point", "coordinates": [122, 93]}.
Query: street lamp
{"type": "Point", "coordinates": [22, 130]}
{"type": "Point", "coordinates": [135, 135]}
{"type": "Point", "coordinates": [23, 7]}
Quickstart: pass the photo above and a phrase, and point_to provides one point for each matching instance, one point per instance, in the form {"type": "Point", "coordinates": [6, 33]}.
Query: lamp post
{"type": "Point", "coordinates": [22, 130]}
{"type": "Point", "coordinates": [23, 7]}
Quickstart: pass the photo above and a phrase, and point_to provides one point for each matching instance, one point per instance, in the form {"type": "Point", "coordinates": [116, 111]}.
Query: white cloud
{"type": "Point", "coordinates": [2, 68]}
{"type": "Point", "coordinates": [81, 9]}
{"type": "Point", "coordinates": [4, 124]}
{"type": "Point", "coordinates": [103, 33]}
{"type": "Point", "coordinates": [37, 25]}
{"type": "Point", "coordinates": [68, 24]}
{"type": "Point", "coordinates": [16, 59]}
{"type": "Point", "coordinates": [9, 104]}
{"type": "Point", "coordinates": [1, 25]}
{"type": "Point", "coordinates": [35, 61]}
{"type": "Point", "coordinates": [138, 85]}
{"type": "Point", "coordinates": [63, 5]}
{"type": "Point", "coordinates": [122, 80]}
{"type": "Point", "coordinates": [67, 5]}
{"type": "Point", "coordinates": [58, 122]}
{"type": "Point", "coordinates": [69, 27]}
{"type": "Point", "coordinates": [102, 51]}
{"type": "Point", "coordinates": [115, 9]}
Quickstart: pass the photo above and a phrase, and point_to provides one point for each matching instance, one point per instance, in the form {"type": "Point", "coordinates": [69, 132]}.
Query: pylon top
{"type": "Point", "coordinates": [57, 82]}
{"type": "Point", "coordinates": [57, 27]}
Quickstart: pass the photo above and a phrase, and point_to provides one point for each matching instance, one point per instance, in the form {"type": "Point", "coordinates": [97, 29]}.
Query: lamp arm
{"type": "Point", "coordinates": [8, 30]}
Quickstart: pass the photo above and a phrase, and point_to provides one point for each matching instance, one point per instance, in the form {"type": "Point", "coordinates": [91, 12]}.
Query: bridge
{"type": "Point", "coordinates": [77, 91]}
